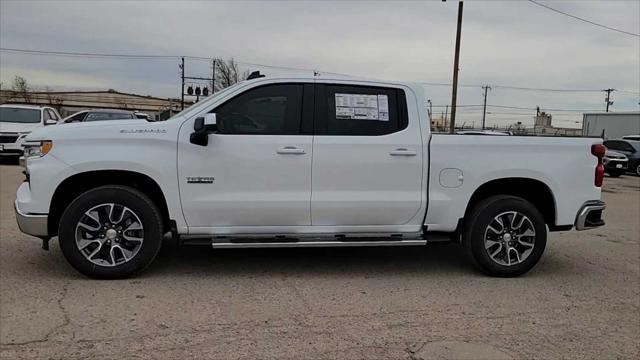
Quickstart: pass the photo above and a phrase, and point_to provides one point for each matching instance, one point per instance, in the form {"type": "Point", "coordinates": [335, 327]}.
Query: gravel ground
{"type": "Point", "coordinates": [581, 301]}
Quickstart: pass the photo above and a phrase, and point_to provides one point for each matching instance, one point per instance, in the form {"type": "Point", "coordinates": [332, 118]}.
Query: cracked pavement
{"type": "Point", "coordinates": [582, 300]}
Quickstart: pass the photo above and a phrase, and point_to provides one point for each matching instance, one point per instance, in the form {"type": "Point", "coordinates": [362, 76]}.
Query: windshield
{"type": "Point", "coordinates": [99, 116]}
{"type": "Point", "coordinates": [205, 102]}
{"type": "Point", "coordinates": [18, 115]}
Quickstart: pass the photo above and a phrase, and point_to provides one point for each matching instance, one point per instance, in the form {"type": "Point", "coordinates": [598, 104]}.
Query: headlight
{"type": "Point", "coordinates": [37, 148]}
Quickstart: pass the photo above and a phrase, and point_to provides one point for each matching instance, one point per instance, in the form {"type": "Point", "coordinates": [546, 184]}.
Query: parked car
{"type": "Point", "coordinates": [303, 162]}
{"type": "Point", "coordinates": [630, 148]}
{"type": "Point", "coordinates": [99, 115]}
{"type": "Point", "coordinates": [17, 121]}
{"type": "Point", "coordinates": [615, 163]}
{"type": "Point", "coordinates": [631, 137]}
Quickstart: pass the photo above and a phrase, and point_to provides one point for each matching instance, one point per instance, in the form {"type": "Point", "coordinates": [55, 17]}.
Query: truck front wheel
{"type": "Point", "coordinates": [505, 235]}
{"type": "Point", "coordinates": [110, 232]}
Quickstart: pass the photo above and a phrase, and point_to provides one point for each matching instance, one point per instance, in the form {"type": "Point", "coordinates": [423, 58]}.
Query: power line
{"type": "Point", "coordinates": [202, 58]}
{"type": "Point", "coordinates": [543, 89]}
{"type": "Point", "coordinates": [523, 88]}
{"type": "Point", "coordinates": [520, 107]}
{"type": "Point", "coordinates": [145, 56]}
{"type": "Point", "coordinates": [585, 20]}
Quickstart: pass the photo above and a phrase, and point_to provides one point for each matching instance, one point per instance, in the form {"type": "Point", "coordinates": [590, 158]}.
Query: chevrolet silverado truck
{"type": "Point", "coordinates": [302, 162]}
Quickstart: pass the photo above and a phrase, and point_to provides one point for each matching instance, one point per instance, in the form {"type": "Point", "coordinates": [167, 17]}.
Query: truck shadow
{"type": "Point", "coordinates": [436, 258]}
{"type": "Point", "coordinates": [9, 160]}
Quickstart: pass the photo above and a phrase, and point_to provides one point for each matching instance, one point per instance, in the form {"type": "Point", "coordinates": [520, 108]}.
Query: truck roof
{"type": "Point", "coordinates": [331, 77]}
{"type": "Point", "coordinates": [22, 106]}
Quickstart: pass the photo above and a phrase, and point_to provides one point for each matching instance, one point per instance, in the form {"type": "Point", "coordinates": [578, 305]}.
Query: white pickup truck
{"type": "Point", "coordinates": [297, 162]}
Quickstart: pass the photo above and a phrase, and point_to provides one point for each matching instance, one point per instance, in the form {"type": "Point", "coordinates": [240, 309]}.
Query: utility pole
{"type": "Point", "coordinates": [607, 99]}
{"type": "Point", "coordinates": [446, 110]}
{"type": "Point", "coordinates": [182, 78]}
{"type": "Point", "coordinates": [213, 76]}
{"type": "Point", "coordinates": [484, 107]}
{"type": "Point", "coordinates": [456, 62]}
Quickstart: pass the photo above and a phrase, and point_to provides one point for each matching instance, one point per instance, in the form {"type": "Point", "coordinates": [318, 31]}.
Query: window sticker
{"type": "Point", "coordinates": [362, 107]}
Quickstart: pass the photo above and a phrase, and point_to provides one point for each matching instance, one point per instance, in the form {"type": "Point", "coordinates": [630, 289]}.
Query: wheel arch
{"type": "Point", "coordinates": [73, 186]}
{"type": "Point", "coordinates": [532, 190]}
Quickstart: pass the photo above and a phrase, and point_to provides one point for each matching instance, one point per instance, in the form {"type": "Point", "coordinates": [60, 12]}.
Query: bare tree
{"type": "Point", "coordinates": [21, 88]}
{"type": "Point", "coordinates": [53, 100]}
{"type": "Point", "coordinates": [227, 73]}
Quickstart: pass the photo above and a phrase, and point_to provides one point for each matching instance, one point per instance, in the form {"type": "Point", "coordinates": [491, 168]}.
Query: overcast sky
{"type": "Point", "coordinates": [503, 43]}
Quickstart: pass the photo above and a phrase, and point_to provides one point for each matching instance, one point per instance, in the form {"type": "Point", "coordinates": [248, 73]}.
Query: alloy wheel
{"type": "Point", "coordinates": [109, 234]}
{"type": "Point", "coordinates": [509, 238]}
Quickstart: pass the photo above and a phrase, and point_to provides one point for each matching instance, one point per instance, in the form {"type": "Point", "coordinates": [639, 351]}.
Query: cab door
{"type": "Point", "coordinates": [367, 157]}
{"type": "Point", "coordinates": [256, 168]}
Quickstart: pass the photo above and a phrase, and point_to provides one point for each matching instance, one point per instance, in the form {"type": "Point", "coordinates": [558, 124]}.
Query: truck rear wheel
{"type": "Point", "coordinates": [505, 235]}
{"type": "Point", "coordinates": [110, 232]}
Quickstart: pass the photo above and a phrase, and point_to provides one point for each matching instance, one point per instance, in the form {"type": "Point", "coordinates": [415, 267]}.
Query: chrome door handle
{"type": "Point", "coordinates": [403, 152]}
{"type": "Point", "coordinates": [291, 150]}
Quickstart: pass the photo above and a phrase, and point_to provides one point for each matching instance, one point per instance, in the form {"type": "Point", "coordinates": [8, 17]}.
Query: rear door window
{"type": "Point", "coordinates": [359, 110]}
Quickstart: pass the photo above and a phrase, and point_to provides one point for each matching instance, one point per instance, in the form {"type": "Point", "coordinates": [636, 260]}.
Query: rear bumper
{"type": "Point", "coordinates": [32, 224]}
{"type": "Point", "coordinates": [590, 215]}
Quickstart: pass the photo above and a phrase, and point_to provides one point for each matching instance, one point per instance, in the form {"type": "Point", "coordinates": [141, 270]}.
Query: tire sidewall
{"type": "Point", "coordinates": [134, 200]}
{"type": "Point", "coordinates": [483, 217]}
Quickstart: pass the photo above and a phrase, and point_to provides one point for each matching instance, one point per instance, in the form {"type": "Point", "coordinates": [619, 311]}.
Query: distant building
{"type": "Point", "coordinates": [611, 124]}
{"type": "Point", "coordinates": [69, 102]}
{"type": "Point", "coordinates": [542, 120]}
{"type": "Point", "coordinates": [542, 126]}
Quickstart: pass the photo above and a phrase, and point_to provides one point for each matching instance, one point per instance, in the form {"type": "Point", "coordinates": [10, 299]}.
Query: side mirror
{"type": "Point", "coordinates": [202, 127]}
{"type": "Point", "coordinates": [50, 122]}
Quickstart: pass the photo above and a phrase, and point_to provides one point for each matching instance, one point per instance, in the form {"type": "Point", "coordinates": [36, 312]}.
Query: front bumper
{"type": "Point", "coordinates": [616, 164]}
{"type": "Point", "coordinates": [590, 215]}
{"type": "Point", "coordinates": [13, 148]}
{"type": "Point", "coordinates": [32, 224]}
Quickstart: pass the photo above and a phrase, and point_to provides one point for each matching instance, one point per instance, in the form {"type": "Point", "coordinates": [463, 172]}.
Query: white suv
{"type": "Point", "coordinates": [17, 121]}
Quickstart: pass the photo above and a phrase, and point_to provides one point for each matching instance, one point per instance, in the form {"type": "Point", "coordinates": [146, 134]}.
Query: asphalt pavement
{"type": "Point", "coordinates": [581, 301]}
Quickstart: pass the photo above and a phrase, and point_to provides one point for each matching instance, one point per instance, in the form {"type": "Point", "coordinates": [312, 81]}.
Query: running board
{"type": "Point", "coordinates": [293, 244]}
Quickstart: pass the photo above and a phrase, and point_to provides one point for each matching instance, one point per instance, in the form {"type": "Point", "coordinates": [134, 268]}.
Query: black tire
{"type": "Point", "coordinates": [479, 219]}
{"type": "Point", "coordinates": [638, 169]}
{"type": "Point", "coordinates": [133, 199]}
{"type": "Point", "coordinates": [614, 173]}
